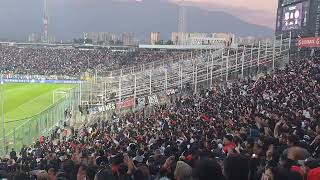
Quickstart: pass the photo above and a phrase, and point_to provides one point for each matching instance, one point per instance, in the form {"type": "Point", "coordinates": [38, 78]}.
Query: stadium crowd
{"type": "Point", "coordinates": [266, 129]}
{"type": "Point", "coordinates": [71, 61]}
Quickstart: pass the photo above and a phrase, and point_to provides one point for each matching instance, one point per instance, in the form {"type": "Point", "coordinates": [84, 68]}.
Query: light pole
{"type": "Point", "coordinates": [88, 64]}
{"type": "Point", "coordinates": [2, 115]}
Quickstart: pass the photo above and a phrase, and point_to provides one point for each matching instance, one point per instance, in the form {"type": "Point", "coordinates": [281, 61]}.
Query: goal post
{"type": "Point", "coordinates": [59, 94]}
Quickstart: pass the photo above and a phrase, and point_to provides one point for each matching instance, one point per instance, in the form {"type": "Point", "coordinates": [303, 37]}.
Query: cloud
{"type": "Point", "coordinates": [254, 11]}
{"type": "Point", "coordinates": [269, 5]}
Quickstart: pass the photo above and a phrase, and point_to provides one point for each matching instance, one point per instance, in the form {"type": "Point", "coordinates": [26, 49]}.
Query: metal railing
{"type": "Point", "coordinates": [192, 70]}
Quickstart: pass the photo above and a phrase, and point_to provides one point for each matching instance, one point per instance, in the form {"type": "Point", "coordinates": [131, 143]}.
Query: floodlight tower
{"type": "Point", "coordinates": [45, 22]}
{"type": "Point", "coordinates": [182, 24]}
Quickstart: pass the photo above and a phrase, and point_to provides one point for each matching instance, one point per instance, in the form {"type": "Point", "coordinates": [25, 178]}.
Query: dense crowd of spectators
{"type": "Point", "coordinates": [72, 61]}
{"type": "Point", "coordinates": [266, 129]}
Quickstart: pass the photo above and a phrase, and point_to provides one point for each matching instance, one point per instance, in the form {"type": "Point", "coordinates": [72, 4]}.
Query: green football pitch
{"type": "Point", "coordinates": [24, 100]}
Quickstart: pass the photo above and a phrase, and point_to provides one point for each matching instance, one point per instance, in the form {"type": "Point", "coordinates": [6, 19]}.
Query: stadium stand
{"type": "Point", "coordinates": [264, 129]}
{"type": "Point", "coordinates": [72, 61]}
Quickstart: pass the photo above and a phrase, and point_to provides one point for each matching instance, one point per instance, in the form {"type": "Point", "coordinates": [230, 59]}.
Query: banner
{"type": "Point", "coordinates": [309, 42]}
{"type": "Point", "coordinates": [153, 100]}
{"type": "Point", "coordinates": [41, 81]}
{"type": "Point", "coordinates": [126, 103]}
{"type": "Point", "coordinates": [171, 91]}
{"type": "Point", "coordinates": [108, 107]}
{"type": "Point", "coordinates": [141, 102]}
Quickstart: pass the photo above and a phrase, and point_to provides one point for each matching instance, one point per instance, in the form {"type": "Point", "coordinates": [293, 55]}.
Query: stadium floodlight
{"type": "Point", "coordinates": [45, 22]}
{"type": "Point", "coordinates": [182, 23]}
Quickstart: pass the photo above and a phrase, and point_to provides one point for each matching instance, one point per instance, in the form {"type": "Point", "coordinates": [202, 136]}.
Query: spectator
{"type": "Point", "coordinates": [13, 154]}
{"type": "Point", "coordinates": [208, 169]}
{"type": "Point", "coordinates": [183, 171]}
{"type": "Point", "coordinates": [236, 168]}
{"type": "Point", "coordinates": [228, 143]}
{"type": "Point", "coordinates": [275, 174]}
{"type": "Point", "coordinates": [105, 174]}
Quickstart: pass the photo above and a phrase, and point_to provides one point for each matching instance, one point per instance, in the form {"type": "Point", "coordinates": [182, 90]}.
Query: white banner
{"type": "Point", "coordinates": [171, 91]}
{"type": "Point", "coordinates": [141, 102]}
{"type": "Point", "coordinates": [153, 99]}
{"type": "Point", "coordinates": [108, 107]}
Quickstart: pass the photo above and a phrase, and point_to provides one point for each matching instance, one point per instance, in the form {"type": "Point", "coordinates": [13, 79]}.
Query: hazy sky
{"type": "Point", "coordinates": [262, 12]}
{"type": "Point", "coordinates": [21, 17]}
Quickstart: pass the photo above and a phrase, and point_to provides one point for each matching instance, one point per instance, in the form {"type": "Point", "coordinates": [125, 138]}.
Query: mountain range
{"type": "Point", "coordinates": [69, 20]}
